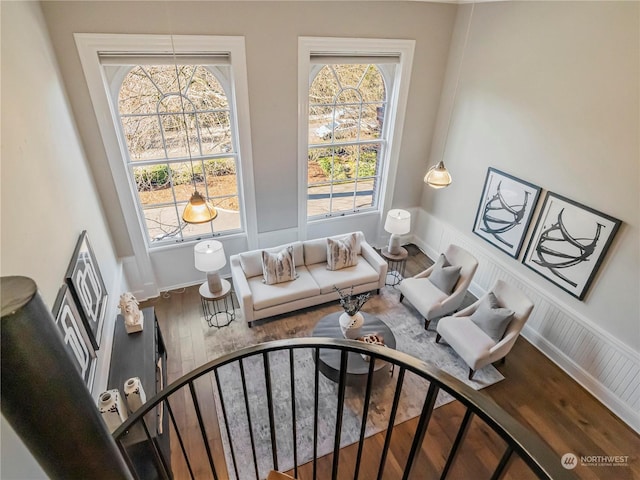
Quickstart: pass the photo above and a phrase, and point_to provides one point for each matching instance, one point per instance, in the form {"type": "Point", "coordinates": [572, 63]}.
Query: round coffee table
{"type": "Point", "coordinates": [357, 367]}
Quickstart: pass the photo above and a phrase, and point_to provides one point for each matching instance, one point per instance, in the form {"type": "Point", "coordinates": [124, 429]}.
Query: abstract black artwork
{"type": "Point", "coordinates": [505, 210]}
{"type": "Point", "coordinates": [87, 287]}
{"type": "Point", "coordinates": [569, 243]}
{"type": "Point", "coordinates": [74, 335]}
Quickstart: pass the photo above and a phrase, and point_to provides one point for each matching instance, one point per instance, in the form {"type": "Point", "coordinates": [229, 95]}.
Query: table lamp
{"type": "Point", "coordinates": [210, 258]}
{"type": "Point", "coordinates": [398, 223]}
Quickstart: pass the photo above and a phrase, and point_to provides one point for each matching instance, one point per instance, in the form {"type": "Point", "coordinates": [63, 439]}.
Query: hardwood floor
{"type": "Point", "coordinates": [535, 392]}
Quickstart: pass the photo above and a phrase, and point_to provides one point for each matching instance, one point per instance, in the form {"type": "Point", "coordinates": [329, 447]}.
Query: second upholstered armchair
{"type": "Point", "coordinates": [440, 289]}
{"type": "Point", "coordinates": [485, 331]}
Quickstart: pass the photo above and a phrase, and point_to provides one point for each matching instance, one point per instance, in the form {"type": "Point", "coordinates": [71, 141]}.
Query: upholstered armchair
{"type": "Point", "coordinates": [431, 301]}
{"type": "Point", "coordinates": [469, 332]}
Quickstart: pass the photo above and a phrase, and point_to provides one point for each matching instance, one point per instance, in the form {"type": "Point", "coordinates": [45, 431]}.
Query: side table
{"type": "Point", "coordinates": [218, 308]}
{"type": "Point", "coordinates": [397, 263]}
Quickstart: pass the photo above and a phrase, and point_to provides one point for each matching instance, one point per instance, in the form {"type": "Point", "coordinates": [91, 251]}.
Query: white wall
{"type": "Point", "coordinates": [550, 92]}
{"type": "Point", "coordinates": [48, 194]}
{"type": "Point", "coordinates": [271, 31]}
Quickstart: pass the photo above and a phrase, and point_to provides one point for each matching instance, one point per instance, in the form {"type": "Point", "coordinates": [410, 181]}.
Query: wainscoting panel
{"type": "Point", "coordinates": [608, 368]}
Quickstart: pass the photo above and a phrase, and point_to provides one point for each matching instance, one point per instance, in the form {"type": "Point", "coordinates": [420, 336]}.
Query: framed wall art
{"type": "Point", "coordinates": [569, 243]}
{"type": "Point", "coordinates": [87, 287]}
{"type": "Point", "coordinates": [74, 336]}
{"type": "Point", "coordinates": [505, 211]}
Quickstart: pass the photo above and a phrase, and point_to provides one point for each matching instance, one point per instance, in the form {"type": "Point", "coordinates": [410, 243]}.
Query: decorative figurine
{"type": "Point", "coordinates": [133, 318]}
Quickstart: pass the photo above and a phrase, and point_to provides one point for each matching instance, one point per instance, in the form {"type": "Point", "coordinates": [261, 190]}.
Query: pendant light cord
{"type": "Point", "coordinates": [184, 114]}
{"type": "Point", "coordinates": [455, 88]}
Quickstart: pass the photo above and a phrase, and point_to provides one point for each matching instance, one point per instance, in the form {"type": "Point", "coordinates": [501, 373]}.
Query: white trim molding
{"type": "Point", "coordinates": [602, 364]}
{"type": "Point", "coordinates": [89, 47]}
{"type": "Point", "coordinates": [397, 105]}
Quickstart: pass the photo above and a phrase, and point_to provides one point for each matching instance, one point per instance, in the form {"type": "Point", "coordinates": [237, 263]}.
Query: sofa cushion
{"type": "Point", "coordinates": [251, 262]}
{"type": "Point", "coordinates": [444, 275]}
{"type": "Point", "coordinates": [362, 272]}
{"type": "Point", "coordinates": [341, 253]}
{"type": "Point", "coordinates": [491, 318]}
{"type": "Point", "coordinates": [278, 267]}
{"type": "Point", "coordinates": [265, 296]}
{"type": "Point", "coordinates": [466, 338]}
{"type": "Point", "coordinates": [315, 251]}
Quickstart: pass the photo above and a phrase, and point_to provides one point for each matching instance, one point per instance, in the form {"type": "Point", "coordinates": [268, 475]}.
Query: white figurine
{"type": "Point", "coordinates": [133, 317]}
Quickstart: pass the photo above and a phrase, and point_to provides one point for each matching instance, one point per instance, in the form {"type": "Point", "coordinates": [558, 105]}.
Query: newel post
{"type": "Point", "coordinates": [43, 398]}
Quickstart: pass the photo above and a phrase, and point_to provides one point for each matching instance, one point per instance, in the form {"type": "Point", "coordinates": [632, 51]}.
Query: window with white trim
{"type": "Point", "coordinates": [176, 118]}
{"type": "Point", "coordinates": [355, 87]}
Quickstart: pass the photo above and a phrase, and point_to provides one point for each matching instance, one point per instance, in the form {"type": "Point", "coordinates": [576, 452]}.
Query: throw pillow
{"type": "Point", "coordinates": [491, 318]}
{"type": "Point", "coordinates": [444, 275]}
{"type": "Point", "coordinates": [342, 253]}
{"type": "Point", "coordinates": [278, 267]}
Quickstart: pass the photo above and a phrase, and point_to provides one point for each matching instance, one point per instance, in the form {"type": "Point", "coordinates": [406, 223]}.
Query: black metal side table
{"type": "Point", "coordinates": [218, 308]}
{"type": "Point", "coordinates": [397, 264]}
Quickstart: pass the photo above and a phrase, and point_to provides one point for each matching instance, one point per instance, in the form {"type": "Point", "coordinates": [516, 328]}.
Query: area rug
{"type": "Point", "coordinates": [411, 338]}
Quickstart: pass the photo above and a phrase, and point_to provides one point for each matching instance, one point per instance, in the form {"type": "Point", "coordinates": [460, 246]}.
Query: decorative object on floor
{"type": "Point", "coordinates": [398, 223]}
{"type": "Point", "coordinates": [427, 298]}
{"type": "Point", "coordinates": [397, 264]}
{"type": "Point", "coordinates": [210, 258]}
{"type": "Point", "coordinates": [112, 409]}
{"type": "Point", "coordinates": [569, 243]}
{"type": "Point", "coordinates": [438, 176]}
{"type": "Point", "coordinates": [351, 320]}
{"type": "Point", "coordinates": [410, 338]}
{"type": "Point", "coordinates": [470, 338]}
{"type": "Point", "coordinates": [87, 287]}
{"type": "Point", "coordinates": [133, 317]}
{"type": "Point", "coordinates": [134, 393]}
{"type": "Point", "coordinates": [505, 211]}
{"type": "Point", "coordinates": [74, 335]}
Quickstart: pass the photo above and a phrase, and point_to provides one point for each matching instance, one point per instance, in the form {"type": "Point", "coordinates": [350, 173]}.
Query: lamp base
{"type": "Point", "coordinates": [213, 280]}
{"type": "Point", "coordinates": [394, 244]}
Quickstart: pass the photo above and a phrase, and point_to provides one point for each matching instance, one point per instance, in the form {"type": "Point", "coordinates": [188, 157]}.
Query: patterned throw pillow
{"type": "Point", "coordinates": [278, 267]}
{"type": "Point", "coordinates": [342, 253]}
{"type": "Point", "coordinates": [444, 275]}
{"type": "Point", "coordinates": [491, 318]}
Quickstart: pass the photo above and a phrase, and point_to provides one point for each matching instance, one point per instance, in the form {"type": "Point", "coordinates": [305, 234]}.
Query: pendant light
{"type": "Point", "coordinates": [438, 176]}
{"type": "Point", "coordinates": [198, 209]}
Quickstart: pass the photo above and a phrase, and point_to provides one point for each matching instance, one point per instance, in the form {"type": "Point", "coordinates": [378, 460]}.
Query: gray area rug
{"type": "Point", "coordinates": [411, 338]}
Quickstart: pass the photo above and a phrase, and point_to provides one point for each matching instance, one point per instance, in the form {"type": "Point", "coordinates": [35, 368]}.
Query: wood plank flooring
{"type": "Point", "coordinates": [536, 392]}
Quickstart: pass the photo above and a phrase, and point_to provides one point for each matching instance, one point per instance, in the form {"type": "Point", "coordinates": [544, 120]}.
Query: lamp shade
{"type": "Point", "coordinates": [198, 210]}
{"type": "Point", "coordinates": [438, 176]}
{"type": "Point", "coordinates": [209, 256]}
{"type": "Point", "coordinates": [398, 222]}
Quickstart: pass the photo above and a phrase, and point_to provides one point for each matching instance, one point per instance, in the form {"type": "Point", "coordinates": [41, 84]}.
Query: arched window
{"type": "Point", "coordinates": [178, 126]}
{"type": "Point", "coordinates": [347, 103]}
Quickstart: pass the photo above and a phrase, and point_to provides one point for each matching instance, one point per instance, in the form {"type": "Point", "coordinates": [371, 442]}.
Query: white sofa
{"type": "Point", "coordinates": [314, 285]}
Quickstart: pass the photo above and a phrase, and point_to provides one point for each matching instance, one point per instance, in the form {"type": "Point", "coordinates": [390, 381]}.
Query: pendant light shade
{"type": "Point", "coordinates": [198, 210]}
{"type": "Point", "coordinates": [438, 176]}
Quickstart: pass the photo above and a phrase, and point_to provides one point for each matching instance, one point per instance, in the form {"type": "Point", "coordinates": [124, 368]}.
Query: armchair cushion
{"type": "Point", "coordinates": [491, 318]}
{"type": "Point", "coordinates": [444, 275]}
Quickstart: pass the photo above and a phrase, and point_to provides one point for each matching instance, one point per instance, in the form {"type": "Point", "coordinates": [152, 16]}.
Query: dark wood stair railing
{"type": "Point", "coordinates": [520, 442]}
